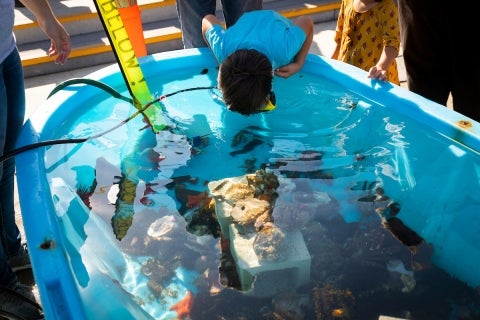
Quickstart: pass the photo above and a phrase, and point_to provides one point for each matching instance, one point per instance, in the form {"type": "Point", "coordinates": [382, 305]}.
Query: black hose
{"type": "Point", "coordinates": [109, 90]}
{"type": "Point", "coordinates": [94, 83]}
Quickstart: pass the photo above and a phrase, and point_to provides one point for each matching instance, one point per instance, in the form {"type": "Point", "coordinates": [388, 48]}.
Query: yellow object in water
{"type": "Point", "coordinates": [338, 313]}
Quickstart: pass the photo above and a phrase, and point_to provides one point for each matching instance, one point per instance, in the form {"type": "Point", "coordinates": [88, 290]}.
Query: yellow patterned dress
{"type": "Point", "coordinates": [362, 36]}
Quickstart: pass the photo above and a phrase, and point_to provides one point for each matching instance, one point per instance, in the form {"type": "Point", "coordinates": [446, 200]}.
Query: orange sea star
{"type": "Point", "coordinates": [195, 200]}
{"type": "Point", "coordinates": [184, 306]}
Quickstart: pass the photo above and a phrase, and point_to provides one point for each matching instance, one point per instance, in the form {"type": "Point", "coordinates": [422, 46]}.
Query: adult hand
{"type": "Point", "coordinates": [60, 45]}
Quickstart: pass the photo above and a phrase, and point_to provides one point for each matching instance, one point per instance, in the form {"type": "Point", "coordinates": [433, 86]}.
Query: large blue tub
{"type": "Point", "coordinates": [372, 192]}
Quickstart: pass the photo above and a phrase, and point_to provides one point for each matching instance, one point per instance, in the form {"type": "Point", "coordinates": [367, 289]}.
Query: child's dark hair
{"type": "Point", "coordinates": [245, 81]}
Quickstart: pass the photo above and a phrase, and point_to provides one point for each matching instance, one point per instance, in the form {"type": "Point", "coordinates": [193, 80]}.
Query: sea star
{"type": "Point", "coordinates": [184, 306]}
{"type": "Point", "coordinates": [195, 200]}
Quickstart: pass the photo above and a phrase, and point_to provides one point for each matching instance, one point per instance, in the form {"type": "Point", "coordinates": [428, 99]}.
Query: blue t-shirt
{"type": "Point", "coordinates": [266, 31]}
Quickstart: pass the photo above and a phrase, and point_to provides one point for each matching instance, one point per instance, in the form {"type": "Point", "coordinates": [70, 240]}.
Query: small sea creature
{"type": "Point", "coordinates": [330, 302]}
{"type": "Point", "coordinates": [195, 200]}
{"type": "Point", "coordinates": [406, 276]}
{"type": "Point", "coordinates": [339, 313]}
{"type": "Point", "coordinates": [184, 306]}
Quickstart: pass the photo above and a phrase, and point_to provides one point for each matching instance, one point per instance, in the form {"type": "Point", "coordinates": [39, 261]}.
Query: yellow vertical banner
{"type": "Point", "coordinates": [128, 62]}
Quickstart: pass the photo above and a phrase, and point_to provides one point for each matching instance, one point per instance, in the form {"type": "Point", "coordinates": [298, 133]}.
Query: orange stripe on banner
{"type": "Point", "coordinates": [132, 22]}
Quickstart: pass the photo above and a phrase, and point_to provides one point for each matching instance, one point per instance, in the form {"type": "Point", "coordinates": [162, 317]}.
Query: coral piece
{"type": "Point", "coordinates": [269, 244]}
{"type": "Point", "coordinates": [239, 191]}
{"type": "Point", "coordinates": [247, 211]}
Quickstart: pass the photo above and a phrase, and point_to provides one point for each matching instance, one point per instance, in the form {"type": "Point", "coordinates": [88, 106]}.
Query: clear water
{"type": "Point", "coordinates": [323, 142]}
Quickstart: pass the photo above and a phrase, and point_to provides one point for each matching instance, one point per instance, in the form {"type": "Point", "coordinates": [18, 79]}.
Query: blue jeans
{"type": "Point", "coordinates": [12, 113]}
{"type": "Point", "coordinates": [191, 13]}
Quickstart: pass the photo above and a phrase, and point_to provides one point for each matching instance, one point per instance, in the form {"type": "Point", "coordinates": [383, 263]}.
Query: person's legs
{"type": "Point", "coordinates": [466, 86]}
{"type": "Point", "coordinates": [465, 65]}
{"type": "Point", "coordinates": [190, 13]}
{"type": "Point", "coordinates": [426, 52]}
{"type": "Point", "coordinates": [12, 104]}
{"type": "Point", "coordinates": [15, 299]}
{"type": "Point", "coordinates": [233, 9]}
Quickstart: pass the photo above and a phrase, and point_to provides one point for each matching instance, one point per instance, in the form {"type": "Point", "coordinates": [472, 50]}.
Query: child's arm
{"type": "Point", "coordinates": [286, 71]}
{"type": "Point", "coordinates": [335, 52]}
{"type": "Point", "coordinates": [380, 70]}
{"type": "Point", "coordinates": [391, 41]}
{"type": "Point", "coordinates": [208, 21]}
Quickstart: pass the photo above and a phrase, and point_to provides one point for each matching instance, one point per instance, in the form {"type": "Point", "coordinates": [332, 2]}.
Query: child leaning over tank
{"type": "Point", "coordinates": [258, 46]}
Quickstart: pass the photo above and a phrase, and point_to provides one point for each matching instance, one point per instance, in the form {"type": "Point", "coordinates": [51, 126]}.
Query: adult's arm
{"type": "Point", "coordinates": [60, 45]}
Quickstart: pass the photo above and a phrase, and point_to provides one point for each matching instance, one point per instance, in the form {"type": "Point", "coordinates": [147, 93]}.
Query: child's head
{"type": "Point", "coordinates": [245, 79]}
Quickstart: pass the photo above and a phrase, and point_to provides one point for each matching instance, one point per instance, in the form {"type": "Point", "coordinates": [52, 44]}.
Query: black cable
{"type": "Point", "coordinates": [106, 88]}
{"type": "Point", "coordinates": [39, 144]}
